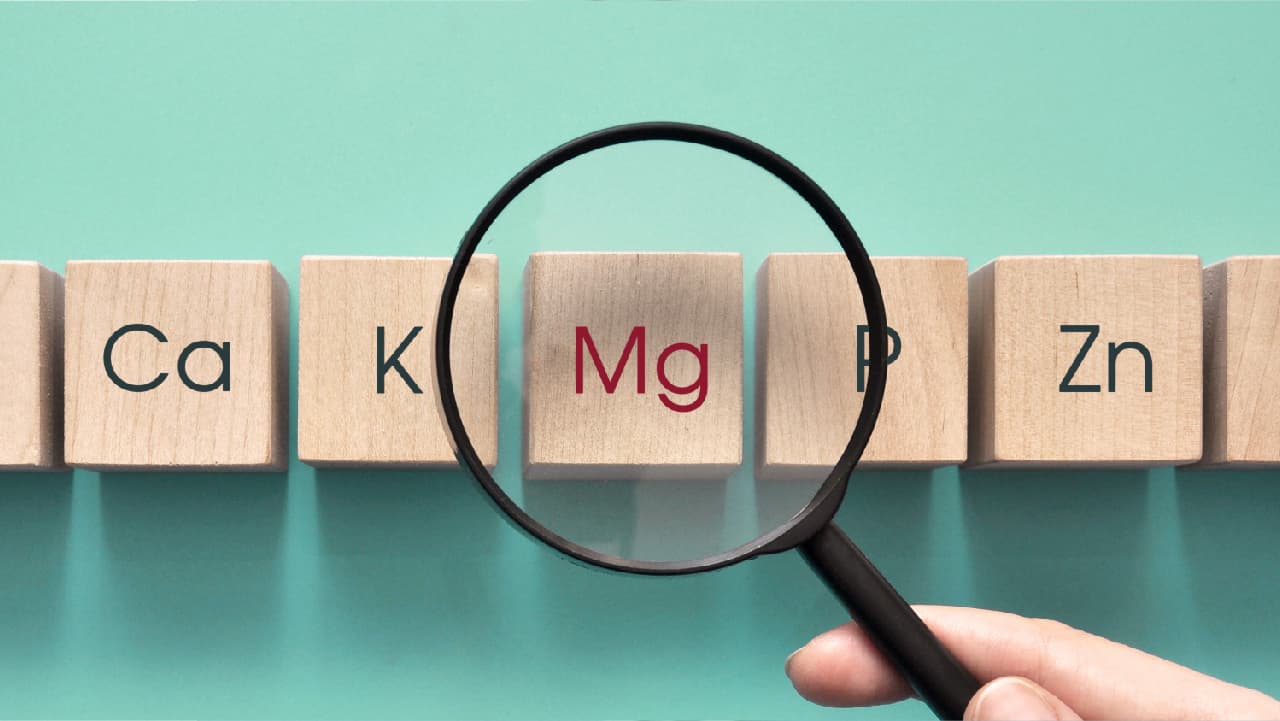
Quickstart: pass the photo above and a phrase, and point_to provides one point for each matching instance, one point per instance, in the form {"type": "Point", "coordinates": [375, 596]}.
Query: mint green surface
{"type": "Point", "coordinates": [236, 131]}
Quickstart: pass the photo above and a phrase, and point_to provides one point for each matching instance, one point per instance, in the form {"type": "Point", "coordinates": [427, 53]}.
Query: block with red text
{"type": "Point", "coordinates": [633, 365]}
{"type": "Point", "coordinates": [30, 367]}
{"type": "Point", "coordinates": [176, 365]}
{"type": "Point", "coordinates": [812, 359]}
{"type": "Point", "coordinates": [1242, 362]}
{"type": "Point", "coordinates": [1091, 360]}
{"type": "Point", "coordinates": [366, 361]}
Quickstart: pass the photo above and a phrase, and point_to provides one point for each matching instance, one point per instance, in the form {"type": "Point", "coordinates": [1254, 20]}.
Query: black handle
{"type": "Point", "coordinates": [936, 675]}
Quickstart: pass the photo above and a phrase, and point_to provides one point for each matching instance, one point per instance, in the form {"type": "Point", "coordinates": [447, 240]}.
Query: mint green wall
{"type": "Point", "coordinates": [234, 131]}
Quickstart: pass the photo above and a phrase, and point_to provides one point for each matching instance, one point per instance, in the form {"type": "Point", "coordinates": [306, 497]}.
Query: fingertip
{"type": "Point", "coordinates": [842, 668]}
{"type": "Point", "coordinates": [787, 666]}
{"type": "Point", "coordinates": [1011, 698]}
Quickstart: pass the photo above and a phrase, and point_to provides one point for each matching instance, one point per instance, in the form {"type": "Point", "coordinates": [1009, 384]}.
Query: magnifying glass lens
{"type": "Point", "coordinates": [678, 352]}
{"type": "Point", "coordinates": [691, 378]}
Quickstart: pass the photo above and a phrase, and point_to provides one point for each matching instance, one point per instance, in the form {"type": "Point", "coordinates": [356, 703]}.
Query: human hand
{"type": "Point", "coordinates": [1037, 669]}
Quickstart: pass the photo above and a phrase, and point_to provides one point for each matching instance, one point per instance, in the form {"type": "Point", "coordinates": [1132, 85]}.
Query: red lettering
{"type": "Point", "coordinates": [635, 342]}
{"type": "Point", "coordinates": [699, 384]}
{"type": "Point", "coordinates": [610, 381]}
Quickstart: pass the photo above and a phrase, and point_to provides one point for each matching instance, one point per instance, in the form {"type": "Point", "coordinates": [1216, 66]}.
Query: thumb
{"type": "Point", "coordinates": [1013, 698]}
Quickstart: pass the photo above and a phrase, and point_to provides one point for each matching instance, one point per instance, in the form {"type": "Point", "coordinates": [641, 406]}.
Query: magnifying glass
{"type": "Point", "coordinates": [683, 313]}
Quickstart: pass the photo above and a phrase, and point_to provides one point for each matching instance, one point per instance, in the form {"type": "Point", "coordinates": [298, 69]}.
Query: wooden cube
{"type": "Point", "coordinates": [176, 365]}
{"type": "Point", "coordinates": [30, 367]}
{"type": "Point", "coordinates": [1242, 362]}
{"type": "Point", "coordinates": [633, 365]}
{"type": "Point", "coordinates": [812, 358]}
{"type": "Point", "coordinates": [1085, 361]}
{"type": "Point", "coordinates": [366, 361]}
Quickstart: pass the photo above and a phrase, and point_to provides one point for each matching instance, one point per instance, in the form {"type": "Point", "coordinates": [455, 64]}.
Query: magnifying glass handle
{"type": "Point", "coordinates": [940, 680]}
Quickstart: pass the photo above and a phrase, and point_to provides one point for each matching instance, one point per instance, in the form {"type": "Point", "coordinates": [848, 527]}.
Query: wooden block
{"type": "Point", "coordinates": [366, 361]}
{"type": "Point", "coordinates": [633, 365]}
{"type": "Point", "coordinates": [1242, 362]}
{"type": "Point", "coordinates": [811, 364]}
{"type": "Point", "coordinates": [30, 367]}
{"type": "Point", "coordinates": [176, 365]}
{"type": "Point", "coordinates": [1085, 361]}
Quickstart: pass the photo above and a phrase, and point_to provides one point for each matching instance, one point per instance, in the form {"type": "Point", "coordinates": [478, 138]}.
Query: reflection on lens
{"type": "Point", "coordinates": [633, 419]}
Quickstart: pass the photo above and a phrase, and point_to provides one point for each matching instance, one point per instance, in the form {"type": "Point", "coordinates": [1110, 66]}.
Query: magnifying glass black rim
{"type": "Point", "coordinates": [819, 511]}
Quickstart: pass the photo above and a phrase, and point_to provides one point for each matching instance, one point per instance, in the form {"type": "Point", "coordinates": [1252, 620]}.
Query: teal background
{"type": "Point", "coordinates": [244, 131]}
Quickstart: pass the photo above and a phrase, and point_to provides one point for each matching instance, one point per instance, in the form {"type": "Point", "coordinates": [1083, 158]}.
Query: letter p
{"type": "Point", "coordinates": [864, 361]}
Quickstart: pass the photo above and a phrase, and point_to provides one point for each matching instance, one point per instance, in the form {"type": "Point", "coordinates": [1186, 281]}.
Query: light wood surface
{"type": "Point", "coordinates": [1242, 362]}
{"type": "Point", "coordinates": [808, 314]}
{"type": "Point", "coordinates": [693, 298]}
{"type": "Point", "coordinates": [30, 367]}
{"type": "Point", "coordinates": [173, 426]}
{"type": "Point", "coordinates": [1020, 358]}
{"type": "Point", "coordinates": [342, 418]}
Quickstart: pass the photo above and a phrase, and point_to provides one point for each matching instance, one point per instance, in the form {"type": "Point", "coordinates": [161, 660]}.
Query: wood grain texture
{"type": "Point", "coordinates": [342, 418]}
{"type": "Point", "coordinates": [30, 367]}
{"type": "Point", "coordinates": [1020, 356]}
{"type": "Point", "coordinates": [693, 298]}
{"type": "Point", "coordinates": [808, 311]}
{"type": "Point", "coordinates": [1242, 362]}
{"type": "Point", "coordinates": [172, 427]}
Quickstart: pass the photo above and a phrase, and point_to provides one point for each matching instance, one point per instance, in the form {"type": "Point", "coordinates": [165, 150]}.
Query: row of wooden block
{"type": "Point", "coordinates": [1029, 361]}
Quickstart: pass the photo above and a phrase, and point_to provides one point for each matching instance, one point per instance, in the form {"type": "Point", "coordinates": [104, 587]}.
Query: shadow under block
{"type": "Point", "coordinates": [811, 350]}
{"type": "Point", "coordinates": [176, 365]}
{"type": "Point", "coordinates": [30, 367]}
{"type": "Point", "coordinates": [1085, 361]}
{"type": "Point", "coordinates": [367, 393]}
{"type": "Point", "coordinates": [633, 366]}
{"type": "Point", "coordinates": [1242, 362]}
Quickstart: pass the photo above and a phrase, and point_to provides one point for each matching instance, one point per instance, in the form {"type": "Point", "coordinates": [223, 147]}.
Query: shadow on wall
{"type": "Point", "coordinates": [409, 558]}
{"type": "Point", "coordinates": [35, 516]}
{"type": "Point", "coordinates": [886, 513]}
{"type": "Point", "coordinates": [1063, 544]}
{"type": "Point", "coordinates": [194, 562]}
{"type": "Point", "coordinates": [649, 520]}
{"type": "Point", "coordinates": [600, 515]}
{"type": "Point", "coordinates": [1230, 523]}
{"type": "Point", "coordinates": [601, 626]}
